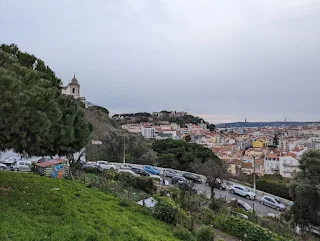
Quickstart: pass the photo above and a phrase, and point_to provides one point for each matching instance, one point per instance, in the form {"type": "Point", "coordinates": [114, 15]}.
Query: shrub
{"type": "Point", "coordinates": [109, 174]}
{"type": "Point", "coordinates": [126, 179]}
{"type": "Point", "coordinates": [166, 210]}
{"type": "Point", "coordinates": [205, 233]}
{"type": "Point", "coordinates": [217, 204]}
{"type": "Point", "coordinates": [245, 230]}
{"type": "Point", "coordinates": [183, 234]}
{"type": "Point", "coordinates": [207, 215]}
{"type": "Point", "coordinates": [145, 184]}
{"type": "Point", "coordinates": [277, 188]}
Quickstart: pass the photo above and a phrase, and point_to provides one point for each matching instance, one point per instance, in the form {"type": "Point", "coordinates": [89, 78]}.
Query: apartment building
{"type": "Point", "coordinates": [288, 166]}
{"type": "Point", "coordinates": [271, 163]}
{"type": "Point", "coordinates": [148, 132]}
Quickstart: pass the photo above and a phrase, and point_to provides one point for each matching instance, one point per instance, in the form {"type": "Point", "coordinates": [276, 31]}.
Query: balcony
{"type": "Point", "coordinates": [274, 169]}
{"type": "Point", "coordinates": [289, 165]}
{"type": "Point", "coordinates": [288, 170]}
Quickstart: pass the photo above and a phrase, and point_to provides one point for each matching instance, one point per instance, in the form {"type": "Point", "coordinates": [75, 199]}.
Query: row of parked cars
{"type": "Point", "coordinates": [264, 200]}
{"type": "Point", "coordinates": [19, 164]}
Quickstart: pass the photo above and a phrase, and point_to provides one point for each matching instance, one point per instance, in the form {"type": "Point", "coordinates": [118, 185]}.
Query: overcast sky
{"type": "Point", "coordinates": [224, 60]}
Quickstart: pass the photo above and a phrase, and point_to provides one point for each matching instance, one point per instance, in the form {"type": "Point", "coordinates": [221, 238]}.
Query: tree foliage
{"type": "Point", "coordinates": [36, 119]}
{"type": "Point", "coordinates": [305, 191]}
{"type": "Point", "coordinates": [211, 169]}
{"type": "Point", "coordinates": [180, 154]}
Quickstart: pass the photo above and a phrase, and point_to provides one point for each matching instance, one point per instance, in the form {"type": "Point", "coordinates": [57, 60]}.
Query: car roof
{"type": "Point", "coordinates": [236, 185]}
{"type": "Point", "coordinates": [264, 196]}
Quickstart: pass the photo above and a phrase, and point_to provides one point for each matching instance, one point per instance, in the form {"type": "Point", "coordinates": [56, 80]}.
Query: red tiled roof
{"type": "Point", "coordinates": [259, 162]}
{"type": "Point", "coordinates": [51, 162]}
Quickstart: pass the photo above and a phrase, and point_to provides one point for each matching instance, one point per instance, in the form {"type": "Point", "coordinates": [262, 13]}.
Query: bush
{"type": "Point", "coordinates": [245, 230]}
{"type": "Point", "coordinates": [277, 188]}
{"type": "Point", "coordinates": [126, 179]}
{"type": "Point", "coordinates": [207, 215]}
{"type": "Point", "coordinates": [205, 233]}
{"type": "Point", "coordinates": [145, 184]}
{"type": "Point", "coordinates": [109, 174]}
{"type": "Point", "coordinates": [183, 234]}
{"type": "Point", "coordinates": [166, 210]}
{"type": "Point", "coordinates": [217, 204]}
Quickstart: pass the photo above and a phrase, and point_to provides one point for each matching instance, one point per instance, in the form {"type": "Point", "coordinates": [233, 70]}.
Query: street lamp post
{"type": "Point", "coordinates": [254, 174]}
{"type": "Point", "coordinates": [124, 149]}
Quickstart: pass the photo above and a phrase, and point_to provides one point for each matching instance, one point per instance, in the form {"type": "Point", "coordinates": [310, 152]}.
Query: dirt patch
{"type": "Point", "coordinates": [224, 236]}
{"type": "Point", "coordinates": [5, 189]}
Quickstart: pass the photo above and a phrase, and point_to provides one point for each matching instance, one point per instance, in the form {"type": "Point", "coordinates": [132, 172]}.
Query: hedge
{"type": "Point", "coordinates": [276, 188]}
{"type": "Point", "coordinates": [245, 230]}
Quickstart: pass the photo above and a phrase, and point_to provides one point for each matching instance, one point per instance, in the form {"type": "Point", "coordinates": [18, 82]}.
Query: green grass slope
{"type": "Point", "coordinates": [31, 210]}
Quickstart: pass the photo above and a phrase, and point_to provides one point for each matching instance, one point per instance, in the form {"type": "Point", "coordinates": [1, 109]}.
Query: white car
{"type": "Point", "coordinates": [242, 191]}
{"type": "Point", "coordinates": [104, 165]}
{"type": "Point", "coordinates": [11, 160]}
{"type": "Point", "coordinates": [128, 171]}
{"type": "Point", "coordinates": [3, 167]}
{"type": "Point", "coordinates": [126, 166]}
{"type": "Point", "coordinates": [21, 166]}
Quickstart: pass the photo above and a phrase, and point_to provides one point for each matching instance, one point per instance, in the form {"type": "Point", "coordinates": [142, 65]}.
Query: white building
{"type": "Point", "coordinates": [288, 166]}
{"type": "Point", "coordinates": [148, 132]}
{"type": "Point", "coordinates": [73, 89]}
{"type": "Point", "coordinates": [271, 164]}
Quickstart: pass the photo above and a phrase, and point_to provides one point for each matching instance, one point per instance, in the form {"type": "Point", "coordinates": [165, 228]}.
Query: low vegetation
{"type": "Point", "coordinates": [39, 208]}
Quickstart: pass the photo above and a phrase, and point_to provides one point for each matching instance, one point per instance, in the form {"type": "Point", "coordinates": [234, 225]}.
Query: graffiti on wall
{"type": "Point", "coordinates": [57, 171]}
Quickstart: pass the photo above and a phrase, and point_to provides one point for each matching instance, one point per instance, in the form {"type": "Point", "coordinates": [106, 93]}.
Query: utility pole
{"type": "Point", "coordinates": [124, 149]}
{"type": "Point", "coordinates": [254, 174]}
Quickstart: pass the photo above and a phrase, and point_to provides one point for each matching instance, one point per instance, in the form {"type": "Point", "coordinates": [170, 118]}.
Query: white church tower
{"type": "Point", "coordinates": [73, 89]}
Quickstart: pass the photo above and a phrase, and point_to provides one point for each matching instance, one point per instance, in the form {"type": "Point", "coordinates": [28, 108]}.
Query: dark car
{"type": "Point", "coordinates": [219, 185]}
{"type": "Point", "coordinates": [140, 171]}
{"type": "Point", "coordinates": [178, 179]}
{"type": "Point", "coordinates": [92, 168]}
{"type": "Point", "coordinates": [44, 159]}
{"type": "Point", "coordinates": [192, 177]}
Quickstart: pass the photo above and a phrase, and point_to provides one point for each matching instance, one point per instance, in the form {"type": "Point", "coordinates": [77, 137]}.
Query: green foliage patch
{"type": "Point", "coordinates": [39, 208]}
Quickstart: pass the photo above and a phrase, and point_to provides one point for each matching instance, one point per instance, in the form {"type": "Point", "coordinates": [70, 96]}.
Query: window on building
{"type": "Point", "coordinates": [73, 90]}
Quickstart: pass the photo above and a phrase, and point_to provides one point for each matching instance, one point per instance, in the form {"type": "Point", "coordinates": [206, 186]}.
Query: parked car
{"type": "Point", "coordinates": [3, 167]}
{"type": "Point", "coordinates": [151, 170]}
{"type": "Point", "coordinates": [272, 202]}
{"type": "Point", "coordinates": [169, 173]}
{"type": "Point", "coordinates": [21, 166]}
{"type": "Point", "coordinates": [126, 166]}
{"type": "Point", "coordinates": [44, 159]}
{"type": "Point", "coordinates": [9, 161]}
{"type": "Point", "coordinates": [128, 171]}
{"type": "Point", "coordinates": [140, 171]}
{"type": "Point", "coordinates": [242, 204]}
{"type": "Point", "coordinates": [192, 177]}
{"type": "Point", "coordinates": [104, 165]}
{"type": "Point", "coordinates": [92, 168]}
{"type": "Point", "coordinates": [219, 185]}
{"type": "Point", "coordinates": [178, 179]}
{"type": "Point", "coordinates": [243, 191]}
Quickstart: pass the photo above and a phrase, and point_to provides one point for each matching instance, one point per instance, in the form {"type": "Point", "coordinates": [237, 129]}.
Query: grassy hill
{"type": "Point", "coordinates": [32, 210]}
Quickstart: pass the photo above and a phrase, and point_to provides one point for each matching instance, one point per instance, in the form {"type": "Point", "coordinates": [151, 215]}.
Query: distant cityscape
{"type": "Point", "coordinates": [274, 147]}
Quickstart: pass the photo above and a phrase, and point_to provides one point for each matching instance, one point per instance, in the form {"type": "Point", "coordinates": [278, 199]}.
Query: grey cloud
{"type": "Point", "coordinates": [226, 59]}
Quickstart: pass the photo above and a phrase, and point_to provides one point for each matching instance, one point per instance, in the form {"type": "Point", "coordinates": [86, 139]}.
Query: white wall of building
{"type": "Point", "coordinates": [288, 166]}
{"type": "Point", "coordinates": [148, 132]}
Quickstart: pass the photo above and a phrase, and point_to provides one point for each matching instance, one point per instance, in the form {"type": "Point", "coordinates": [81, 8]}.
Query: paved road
{"type": "Point", "coordinates": [261, 210]}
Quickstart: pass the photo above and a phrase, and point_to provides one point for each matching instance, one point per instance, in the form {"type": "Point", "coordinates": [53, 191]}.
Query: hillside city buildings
{"type": "Point", "coordinates": [240, 148]}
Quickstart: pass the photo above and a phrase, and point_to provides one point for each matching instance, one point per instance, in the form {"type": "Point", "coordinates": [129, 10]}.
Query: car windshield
{"type": "Point", "coordinates": [277, 200]}
{"type": "Point", "coordinates": [246, 190]}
